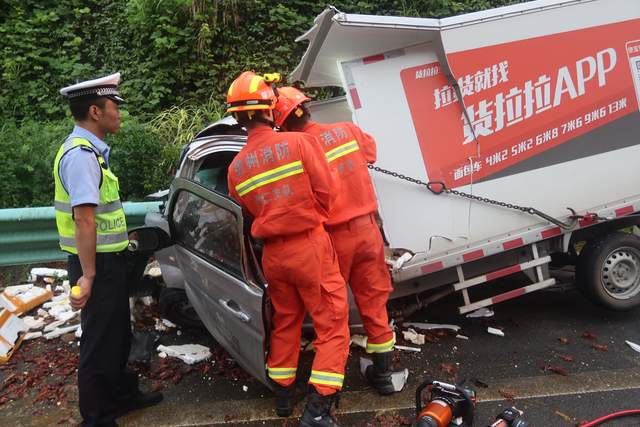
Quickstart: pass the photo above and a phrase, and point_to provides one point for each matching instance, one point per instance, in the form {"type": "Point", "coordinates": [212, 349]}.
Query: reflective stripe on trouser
{"type": "Point", "coordinates": [281, 374]}
{"type": "Point", "coordinates": [304, 276]}
{"type": "Point", "coordinates": [360, 253]}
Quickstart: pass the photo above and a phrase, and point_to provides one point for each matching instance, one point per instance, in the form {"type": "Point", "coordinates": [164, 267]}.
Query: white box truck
{"type": "Point", "coordinates": [521, 112]}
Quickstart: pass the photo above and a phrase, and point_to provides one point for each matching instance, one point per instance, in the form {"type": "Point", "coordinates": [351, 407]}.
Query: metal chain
{"type": "Point", "coordinates": [439, 187]}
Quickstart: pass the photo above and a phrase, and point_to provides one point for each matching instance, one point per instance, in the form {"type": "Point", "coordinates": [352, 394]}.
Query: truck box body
{"type": "Point", "coordinates": [551, 90]}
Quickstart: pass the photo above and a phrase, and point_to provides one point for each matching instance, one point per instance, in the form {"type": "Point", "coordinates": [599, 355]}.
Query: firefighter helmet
{"type": "Point", "coordinates": [289, 99]}
{"type": "Point", "coordinates": [250, 92]}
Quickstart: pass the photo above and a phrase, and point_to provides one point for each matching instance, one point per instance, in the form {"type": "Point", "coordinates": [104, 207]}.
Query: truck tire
{"type": "Point", "coordinates": [608, 271]}
{"type": "Point", "coordinates": [175, 306]}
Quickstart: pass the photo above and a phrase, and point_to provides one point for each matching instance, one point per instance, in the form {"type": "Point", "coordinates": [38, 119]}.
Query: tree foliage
{"type": "Point", "coordinates": [177, 58]}
{"type": "Point", "coordinates": [169, 51]}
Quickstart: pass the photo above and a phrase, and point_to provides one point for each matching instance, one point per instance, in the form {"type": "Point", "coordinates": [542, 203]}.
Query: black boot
{"type": "Point", "coordinates": [286, 398]}
{"type": "Point", "coordinates": [379, 374]}
{"type": "Point", "coordinates": [317, 412]}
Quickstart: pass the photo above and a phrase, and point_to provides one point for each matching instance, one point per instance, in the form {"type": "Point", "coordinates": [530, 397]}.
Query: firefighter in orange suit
{"type": "Point", "coordinates": [284, 182]}
{"type": "Point", "coordinates": [352, 225]}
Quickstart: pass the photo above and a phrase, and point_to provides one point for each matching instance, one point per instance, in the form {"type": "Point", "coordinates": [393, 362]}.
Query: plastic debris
{"type": "Point", "coordinates": [412, 336]}
{"type": "Point", "coordinates": [22, 298]}
{"type": "Point", "coordinates": [634, 346]}
{"type": "Point", "coordinates": [406, 348]}
{"type": "Point", "coordinates": [53, 325]}
{"type": "Point", "coordinates": [398, 263]}
{"type": "Point", "coordinates": [188, 353]}
{"type": "Point", "coordinates": [32, 335]}
{"type": "Point", "coordinates": [153, 269]}
{"type": "Point", "coordinates": [495, 331]}
{"type": "Point", "coordinates": [46, 272]}
{"type": "Point", "coordinates": [162, 355]}
{"type": "Point", "coordinates": [147, 300]}
{"type": "Point", "coordinates": [61, 331]}
{"type": "Point", "coordinates": [429, 326]}
{"type": "Point", "coordinates": [33, 323]}
{"type": "Point", "coordinates": [481, 312]}
{"type": "Point", "coordinates": [398, 378]}
{"type": "Point", "coordinates": [359, 340]}
{"type": "Point", "coordinates": [245, 388]}
{"type": "Point", "coordinates": [79, 332]}
{"type": "Point", "coordinates": [462, 337]}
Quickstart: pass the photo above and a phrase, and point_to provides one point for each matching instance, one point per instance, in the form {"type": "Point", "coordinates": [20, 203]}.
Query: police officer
{"type": "Point", "coordinates": [92, 229]}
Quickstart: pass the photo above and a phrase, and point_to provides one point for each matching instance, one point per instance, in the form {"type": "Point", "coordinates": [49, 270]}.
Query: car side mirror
{"type": "Point", "coordinates": [148, 239]}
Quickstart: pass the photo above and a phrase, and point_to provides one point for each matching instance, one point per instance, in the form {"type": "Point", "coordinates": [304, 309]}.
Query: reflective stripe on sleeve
{"type": "Point", "coordinates": [342, 150]}
{"type": "Point", "coordinates": [326, 378]}
{"type": "Point", "coordinates": [382, 347]}
{"type": "Point", "coordinates": [269, 176]}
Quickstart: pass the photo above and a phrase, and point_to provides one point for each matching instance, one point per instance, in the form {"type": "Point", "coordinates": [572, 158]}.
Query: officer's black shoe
{"type": "Point", "coordinates": [317, 412]}
{"type": "Point", "coordinates": [139, 400]}
{"type": "Point", "coordinates": [379, 374]}
{"type": "Point", "coordinates": [287, 398]}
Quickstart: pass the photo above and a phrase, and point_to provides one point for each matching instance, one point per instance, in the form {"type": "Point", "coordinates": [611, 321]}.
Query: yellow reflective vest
{"type": "Point", "coordinates": [111, 226]}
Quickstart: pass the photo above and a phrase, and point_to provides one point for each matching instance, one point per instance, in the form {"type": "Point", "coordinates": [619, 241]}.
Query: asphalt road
{"type": "Point", "coordinates": [562, 360]}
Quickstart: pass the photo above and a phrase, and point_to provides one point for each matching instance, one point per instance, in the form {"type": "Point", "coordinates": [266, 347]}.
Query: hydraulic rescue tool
{"type": "Point", "coordinates": [448, 403]}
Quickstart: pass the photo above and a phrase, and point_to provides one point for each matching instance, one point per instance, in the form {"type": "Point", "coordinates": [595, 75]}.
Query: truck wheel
{"type": "Point", "coordinates": [175, 306]}
{"type": "Point", "coordinates": [608, 271]}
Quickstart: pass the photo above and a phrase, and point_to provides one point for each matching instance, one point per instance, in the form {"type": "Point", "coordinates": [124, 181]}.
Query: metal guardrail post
{"type": "Point", "coordinates": [29, 235]}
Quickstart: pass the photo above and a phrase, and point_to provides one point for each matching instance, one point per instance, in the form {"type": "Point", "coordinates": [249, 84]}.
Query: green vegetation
{"type": "Point", "coordinates": [177, 58]}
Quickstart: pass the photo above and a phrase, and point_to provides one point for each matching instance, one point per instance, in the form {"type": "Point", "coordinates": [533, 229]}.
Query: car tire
{"type": "Point", "coordinates": [176, 307]}
{"type": "Point", "coordinates": [608, 271]}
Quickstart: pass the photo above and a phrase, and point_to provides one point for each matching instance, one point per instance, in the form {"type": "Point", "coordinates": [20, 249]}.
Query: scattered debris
{"type": "Point", "coordinates": [634, 346]}
{"type": "Point", "coordinates": [588, 336]}
{"type": "Point", "coordinates": [55, 273]}
{"type": "Point", "coordinates": [507, 394]}
{"type": "Point", "coordinates": [33, 323]}
{"type": "Point", "coordinates": [398, 378]}
{"type": "Point", "coordinates": [153, 269]}
{"type": "Point", "coordinates": [563, 340]}
{"type": "Point", "coordinates": [429, 326]}
{"type": "Point", "coordinates": [450, 369]}
{"type": "Point", "coordinates": [360, 340]}
{"type": "Point", "coordinates": [22, 298]}
{"type": "Point", "coordinates": [188, 353]}
{"type": "Point", "coordinates": [600, 347]}
{"type": "Point", "coordinates": [481, 312]}
{"type": "Point", "coordinates": [61, 331]}
{"type": "Point", "coordinates": [495, 331]}
{"type": "Point", "coordinates": [32, 335]}
{"type": "Point", "coordinates": [11, 327]}
{"type": "Point", "coordinates": [479, 383]}
{"type": "Point", "coordinates": [564, 416]}
{"type": "Point", "coordinates": [400, 261]}
{"type": "Point", "coordinates": [413, 337]}
{"type": "Point", "coordinates": [406, 348]}
{"type": "Point", "coordinates": [555, 369]}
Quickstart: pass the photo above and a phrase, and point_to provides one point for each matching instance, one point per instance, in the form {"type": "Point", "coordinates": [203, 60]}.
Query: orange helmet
{"type": "Point", "coordinates": [250, 92]}
{"type": "Point", "coordinates": [289, 98]}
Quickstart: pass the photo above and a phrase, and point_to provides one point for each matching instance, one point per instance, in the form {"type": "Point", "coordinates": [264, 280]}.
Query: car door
{"type": "Point", "coordinates": [207, 229]}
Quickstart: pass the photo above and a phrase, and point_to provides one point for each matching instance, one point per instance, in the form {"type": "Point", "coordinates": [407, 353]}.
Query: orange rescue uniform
{"type": "Point", "coordinates": [353, 229]}
{"type": "Point", "coordinates": [285, 183]}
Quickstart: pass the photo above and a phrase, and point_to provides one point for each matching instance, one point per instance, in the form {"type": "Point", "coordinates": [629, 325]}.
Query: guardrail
{"type": "Point", "coordinates": [29, 235]}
